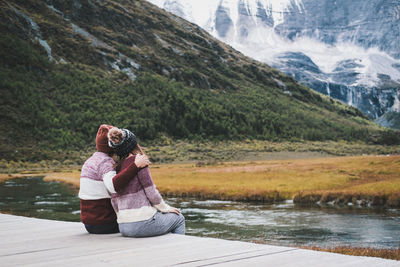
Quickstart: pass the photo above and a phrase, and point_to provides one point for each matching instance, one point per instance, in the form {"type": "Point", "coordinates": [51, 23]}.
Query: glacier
{"type": "Point", "coordinates": [349, 50]}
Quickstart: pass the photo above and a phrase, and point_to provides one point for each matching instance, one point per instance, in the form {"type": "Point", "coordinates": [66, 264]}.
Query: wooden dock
{"type": "Point", "coordinates": [35, 242]}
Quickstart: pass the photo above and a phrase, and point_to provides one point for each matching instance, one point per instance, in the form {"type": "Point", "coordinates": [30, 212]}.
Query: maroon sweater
{"type": "Point", "coordinates": [95, 201]}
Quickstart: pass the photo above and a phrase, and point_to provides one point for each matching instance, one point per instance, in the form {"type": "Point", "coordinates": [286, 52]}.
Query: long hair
{"type": "Point", "coordinates": [118, 160]}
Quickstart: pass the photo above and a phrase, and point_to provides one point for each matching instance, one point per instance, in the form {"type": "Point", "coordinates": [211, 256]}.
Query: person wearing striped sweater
{"type": "Point", "coordinates": [97, 213]}
{"type": "Point", "coordinates": [141, 210]}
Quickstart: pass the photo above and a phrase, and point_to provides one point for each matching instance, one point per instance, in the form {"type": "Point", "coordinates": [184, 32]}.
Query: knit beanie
{"type": "Point", "coordinates": [125, 144]}
{"type": "Point", "coordinates": [102, 140]}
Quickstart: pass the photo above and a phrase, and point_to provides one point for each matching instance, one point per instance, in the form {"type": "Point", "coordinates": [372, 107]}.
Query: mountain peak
{"type": "Point", "coordinates": [136, 66]}
{"type": "Point", "coordinates": [353, 44]}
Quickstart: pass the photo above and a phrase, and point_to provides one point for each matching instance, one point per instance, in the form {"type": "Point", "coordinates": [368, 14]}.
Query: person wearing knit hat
{"type": "Point", "coordinates": [122, 142]}
{"type": "Point", "coordinates": [102, 139]}
{"type": "Point", "coordinates": [97, 213]}
{"type": "Point", "coordinates": [141, 210]}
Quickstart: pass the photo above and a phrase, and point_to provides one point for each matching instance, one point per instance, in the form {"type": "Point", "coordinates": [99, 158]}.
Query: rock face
{"type": "Point", "coordinates": [349, 50]}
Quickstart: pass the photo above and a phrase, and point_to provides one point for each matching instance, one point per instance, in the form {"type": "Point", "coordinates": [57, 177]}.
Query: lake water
{"type": "Point", "coordinates": [279, 224]}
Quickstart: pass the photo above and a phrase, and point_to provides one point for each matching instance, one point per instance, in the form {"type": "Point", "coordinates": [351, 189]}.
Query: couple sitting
{"type": "Point", "coordinates": [117, 193]}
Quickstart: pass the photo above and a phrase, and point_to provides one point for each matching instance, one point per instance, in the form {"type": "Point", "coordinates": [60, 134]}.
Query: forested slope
{"type": "Point", "coordinates": [68, 66]}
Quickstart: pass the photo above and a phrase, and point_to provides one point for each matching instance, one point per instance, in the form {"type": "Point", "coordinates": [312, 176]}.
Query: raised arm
{"type": "Point", "coordinates": [116, 182]}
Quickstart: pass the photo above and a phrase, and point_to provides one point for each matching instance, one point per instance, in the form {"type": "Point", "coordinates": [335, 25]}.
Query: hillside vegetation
{"type": "Point", "coordinates": [68, 66]}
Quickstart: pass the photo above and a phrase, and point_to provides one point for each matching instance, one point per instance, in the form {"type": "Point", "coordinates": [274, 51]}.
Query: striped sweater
{"type": "Point", "coordinates": [140, 199]}
{"type": "Point", "coordinates": [98, 181]}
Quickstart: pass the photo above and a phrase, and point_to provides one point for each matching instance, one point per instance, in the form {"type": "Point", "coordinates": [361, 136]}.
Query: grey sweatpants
{"type": "Point", "coordinates": [159, 224]}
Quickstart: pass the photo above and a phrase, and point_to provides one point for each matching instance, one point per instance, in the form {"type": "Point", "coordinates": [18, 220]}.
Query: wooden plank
{"type": "Point", "coordinates": [35, 242]}
{"type": "Point", "coordinates": [307, 258]}
{"type": "Point", "coordinates": [168, 254]}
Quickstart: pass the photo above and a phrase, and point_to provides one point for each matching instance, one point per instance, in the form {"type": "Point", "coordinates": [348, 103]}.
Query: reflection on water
{"type": "Point", "coordinates": [289, 224]}
{"type": "Point", "coordinates": [35, 198]}
{"type": "Point", "coordinates": [280, 224]}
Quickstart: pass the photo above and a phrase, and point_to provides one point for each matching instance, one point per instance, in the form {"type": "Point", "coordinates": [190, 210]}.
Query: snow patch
{"type": "Point", "coordinates": [132, 63]}
{"type": "Point", "coordinates": [396, 105]}
{"type": "Point", "coordinates": [166, 45]}
{"type": "Point", "coordinates": [280, 83]}
{"type": "Point", "coordinates": [328, 90]}
{"type": "Point", "coordinates": [128, 71]}
{"type": "Point", "coordinates": [47, 48]}
{"type": "Point", "coordinates": [278, 8]}
{"type": "Point", "coordinates": [56, 10]}
{"type": "Point", "coordinates": [36, 32]}
{"type": "Point", "coordinates": [161, 41]}
{"type": "Point", "coordinates": [264, 44]}
{"type": "Point", "coordinates": [33, 24]}
{"type": "Point", "coordinates": [197, 12]}
{"type": "Point", "coordinates": [94, 41]}
{"type": "Point", "coordinates": [200, 12]}
{"type": "Point", "coordinates": [287, 92]}
{"type": "Point", "coordinates": [119, 64]}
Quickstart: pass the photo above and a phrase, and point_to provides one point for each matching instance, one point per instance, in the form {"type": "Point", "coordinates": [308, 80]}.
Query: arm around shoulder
{"type": "Point", "coordinates": [122, 179]}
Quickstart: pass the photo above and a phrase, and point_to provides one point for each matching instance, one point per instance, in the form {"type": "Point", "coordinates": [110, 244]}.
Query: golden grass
{"type": "Point", "coordinates": [70, 176]}
{"type": "Point", "coordinates": [362, 175]}
{"type": "Point", "coordinates": [5, 177]}
{"type": "Point", "coordinates": [393, 254]}
{"type": "Point", "coordinates": [344, 179]}
{"type": "Point", "coordinates": [65, 177]}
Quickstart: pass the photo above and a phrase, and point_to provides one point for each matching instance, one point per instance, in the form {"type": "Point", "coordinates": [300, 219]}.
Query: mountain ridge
{"type": "Point", "coordinates": [68, 66]}
{"type": "Point", "coordinates": [354, 45]}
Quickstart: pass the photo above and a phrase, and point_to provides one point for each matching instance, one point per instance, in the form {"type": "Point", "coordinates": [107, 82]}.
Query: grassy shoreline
{"type": "Point", "coordinates": [361, 180]}
{"type": "Point", "coordinates": [391, 254]}
{"type": "Point", "coordinates": [355, 180]}
{"type": "Point", "coordinates": [351, 181]}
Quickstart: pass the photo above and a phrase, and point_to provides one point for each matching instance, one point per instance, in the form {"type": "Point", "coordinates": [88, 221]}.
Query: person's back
{"type": "Point", "coordinates": [141, 211]}
{"type": "Point", "coordinates": [97, 213]}
{"type": "Point", "coordinates": [140, 199]}
{"type": "Point", "coordinates": [95, 201]}
{"type": "Point", "coordinates": [98, 181]}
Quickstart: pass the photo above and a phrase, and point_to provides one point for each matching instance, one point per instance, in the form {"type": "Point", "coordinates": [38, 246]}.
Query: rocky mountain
{"type": "Point", "coordinates": [349, 50]}
{"type": "Point", "coordinates": [68, 66]}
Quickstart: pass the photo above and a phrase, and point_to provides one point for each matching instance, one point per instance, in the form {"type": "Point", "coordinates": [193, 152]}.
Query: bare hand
{"type": "Point", "coordinates": [142, 161]}
{"type": "Point", "coordinates": [174, 210]}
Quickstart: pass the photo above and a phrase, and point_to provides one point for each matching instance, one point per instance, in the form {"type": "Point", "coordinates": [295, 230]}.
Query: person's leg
{"type": "Point", "coordinates": [180, 226]}
{"type": "Point", "coordinates": [159, 224]}
{"type": "Point", "coordinates": [109, 228]}
{"type": "Point", "coordinates": [164, 223]}
{"type": "Point", "coordinates": [132, 229]}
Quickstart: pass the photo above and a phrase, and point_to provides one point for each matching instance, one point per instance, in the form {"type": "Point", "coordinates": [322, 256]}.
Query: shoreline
{"type": "Point", "coordinates": [332, 199]}
{"type": "Point", "coordinates": [392, 254]}
{"type": "Point", "coordinates": [337, 200]}
{"type": "Point", "coordinates": [360, 181]}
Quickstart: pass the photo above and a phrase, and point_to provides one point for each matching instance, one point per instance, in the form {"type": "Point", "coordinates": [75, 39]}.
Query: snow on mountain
{"type": "Point", "coordinates": [349, 50]}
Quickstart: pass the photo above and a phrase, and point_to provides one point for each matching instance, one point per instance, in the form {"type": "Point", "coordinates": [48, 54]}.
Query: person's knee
{"type": "Point", "coordinates": [181, 218]}
{"type": "Point", "coordinates": [180, 226]}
